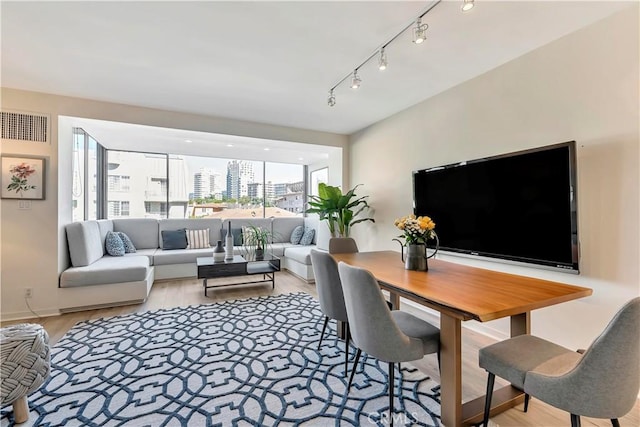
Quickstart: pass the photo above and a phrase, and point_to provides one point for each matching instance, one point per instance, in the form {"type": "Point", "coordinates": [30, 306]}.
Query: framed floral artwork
{"type": "Point", "coordinates": [22, 177]}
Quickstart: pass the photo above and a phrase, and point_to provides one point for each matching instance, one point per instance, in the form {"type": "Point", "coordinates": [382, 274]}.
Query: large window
{"type": "Point", "coordinates": [153, 185]}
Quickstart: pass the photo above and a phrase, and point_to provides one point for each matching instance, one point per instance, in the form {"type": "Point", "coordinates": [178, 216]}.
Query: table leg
{"type": "Point", "coordinates": [204, 284]}
{"type": "Point", "coordinates": [450, 370]}
{"type": "Point", "coordinates": [521, 324]}
{"type": "Point", "coordinates": [394, 299]}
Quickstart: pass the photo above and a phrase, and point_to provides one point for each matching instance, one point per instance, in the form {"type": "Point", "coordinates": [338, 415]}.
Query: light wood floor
{"type": "Point", "coordinates": [179, 293]}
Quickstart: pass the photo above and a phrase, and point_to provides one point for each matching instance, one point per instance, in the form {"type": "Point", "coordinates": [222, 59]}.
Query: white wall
{"type": "Point", "coordinates": [32, 244]}
{"type": "Point", "coordinates": [582, 87]}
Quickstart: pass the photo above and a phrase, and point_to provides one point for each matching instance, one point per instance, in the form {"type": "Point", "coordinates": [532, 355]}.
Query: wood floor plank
{"type": "Point", "coordinates": [181, 293]}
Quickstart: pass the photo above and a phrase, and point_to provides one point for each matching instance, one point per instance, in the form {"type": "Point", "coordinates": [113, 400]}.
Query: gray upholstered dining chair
{"type": "Point", "coordinates": [342, 245]}
{"type": "Point", "coordinates": [325, 270]}
{"type": "Point", "coordinates": [389, 336]}
{"type": "Point", "coordinates": [603, 382]}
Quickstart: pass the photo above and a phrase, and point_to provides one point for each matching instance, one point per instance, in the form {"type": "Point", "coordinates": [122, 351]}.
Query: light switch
{"type": "Point", "coordinates": [24, 204]}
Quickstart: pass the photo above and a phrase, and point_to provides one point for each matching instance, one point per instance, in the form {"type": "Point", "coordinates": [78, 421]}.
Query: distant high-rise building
{"type": "Point", "coordinates": [206, 183]}
{"type": "Point", "coordinates": [239, 175]}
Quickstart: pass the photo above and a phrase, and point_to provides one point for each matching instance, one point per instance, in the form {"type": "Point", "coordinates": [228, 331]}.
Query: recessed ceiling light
{"type": "Point", "coordinates": [188, 140]}
{"type": "Point", "coordinates": [300, 158]}
{"type": "Point", "coordinates": [229, 145]}
{"type": "Point", "coordinates": [266, 149]}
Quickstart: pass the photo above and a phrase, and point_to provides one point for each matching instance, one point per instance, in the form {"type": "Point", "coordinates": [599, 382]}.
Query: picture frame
{"type": "Point", "coordinates": [22, 177]}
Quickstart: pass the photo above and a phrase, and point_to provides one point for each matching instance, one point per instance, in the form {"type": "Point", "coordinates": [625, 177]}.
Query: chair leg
{"type": "Point", "coordinates": [575, 420]}
{"type": "Point", "coordinates": [439, 364]}
{"type": "Point", "coordinates": [615, 422]}
{"type": "Point", "coordinates": [346, 348]}
{"type": "Point", "coordinates": [526, 401]}
{"type": "Point", "coordinates": [487, 402]}
{"type": "Point", "coordinates": [391, 386]}
{"type": "Point", "coordinates": [326, 320]}
{"type": "Point", "coordinates": [353, 369]}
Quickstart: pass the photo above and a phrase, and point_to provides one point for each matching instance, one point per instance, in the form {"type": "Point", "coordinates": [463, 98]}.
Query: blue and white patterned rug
{"type": "Point", "coordinates": [238, 363]}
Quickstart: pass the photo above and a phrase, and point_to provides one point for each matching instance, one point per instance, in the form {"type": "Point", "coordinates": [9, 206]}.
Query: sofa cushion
{"type": "Point", "coordinates": [307, 237]}
{"type": "Point", "coordinates": [198, 239]}
{"type": "Point", "coordinates": [85, 243]}
{"type": "Point", "coordinates": [277, 249]}
{"type": "Point", "coordinates": [114, 244]}
{"type": "Point", "coordinates": [296, 235]}
{"type": "Point", "coordinates": [143, 232]}
{"type": "Point", "coordinates": [105, 225]}
{"type": "Point", "coordinates": [239, 223]}
{"type": "Point", "coordinates": [107, 270]}
{"type": "Point", "coordinates": [129, 247]}
{"type": "Point", "coordinates": [213, 224]}
{"type": "Point", "coordinates": [236, 233]}
{"type": "Point", "coordinates": [174, 239]}
{"type": "Point", "coordinates": [283, 227]}
{"type": "Point", "coordinates": [301, 254]}
{"type": "Point", "coordinates": [149, 253]}
{"type": "Point", "coordinates": [180, 256]}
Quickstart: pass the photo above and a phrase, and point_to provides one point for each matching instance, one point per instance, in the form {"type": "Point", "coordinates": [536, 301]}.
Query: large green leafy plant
{"type": "Point", "coordinates": [339, 210]}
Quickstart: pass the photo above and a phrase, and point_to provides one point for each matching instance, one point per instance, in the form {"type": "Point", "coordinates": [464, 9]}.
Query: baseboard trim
{"type": "Point", "coordinates": [24, 315]}
{"type": "Point", "coordinates": [99, 306]}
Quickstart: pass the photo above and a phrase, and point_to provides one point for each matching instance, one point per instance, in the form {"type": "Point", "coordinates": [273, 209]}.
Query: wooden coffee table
{"type": "Point", "coordinates": [238, 266]}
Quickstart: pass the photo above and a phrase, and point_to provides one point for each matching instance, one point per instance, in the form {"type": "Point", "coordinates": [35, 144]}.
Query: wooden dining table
{"type": "Point", "coordinates": [460, 293]}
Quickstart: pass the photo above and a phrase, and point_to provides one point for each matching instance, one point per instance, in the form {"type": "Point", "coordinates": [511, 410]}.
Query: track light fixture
{"type": "Point", "coordinates": [419, 36]}
{"type": "Point", "coordinates": [355, 81]}
{"type": "Point", "coordinates": [419, 31]}
{"type": "Point", "coordinates": [332, 99]}
{"type": "Point", "coordinates": [382, 60]}
{"type": "Point", "coordinates": [467, 5]}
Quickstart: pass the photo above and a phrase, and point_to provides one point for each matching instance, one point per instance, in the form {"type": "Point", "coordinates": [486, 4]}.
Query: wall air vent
{"type": "Point", "coordinates": [24, 126]}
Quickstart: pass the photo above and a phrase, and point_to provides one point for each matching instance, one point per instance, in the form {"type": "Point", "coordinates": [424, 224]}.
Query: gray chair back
{"type": "Point", "coordinates": [372, 327]}
{"type": "Point", "coordinates": [606, 381]}
{"type": "Point", "coordinates": [342, 245]}
{"type": "Point", "coordinates": [325, 270]}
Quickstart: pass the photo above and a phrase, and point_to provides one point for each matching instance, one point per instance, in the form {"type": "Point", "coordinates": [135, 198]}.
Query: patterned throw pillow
{"type": "Point", "coordinates": [307, 237]}
{"type": "Point", "coordinates": [113, 244]}
{"type": "Point", "coordinates": [129, 248]}
{"type": "Point", "coordinates": [198, 239]}
{"type": "Point", "coordinates": [296, 235]}
{"type": "Point", "coordinates": [174, 239]}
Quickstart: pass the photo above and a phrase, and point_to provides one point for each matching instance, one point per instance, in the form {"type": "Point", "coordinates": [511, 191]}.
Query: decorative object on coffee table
{"type": "Point", "coordinates": [218, 252]}
{"type": "Point", "coordinates": [229, 244]}
{"type": "Point", "coordinates": [24, 365]}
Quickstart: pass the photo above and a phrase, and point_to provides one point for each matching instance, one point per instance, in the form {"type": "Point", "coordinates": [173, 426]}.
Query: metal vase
{"type": "Point", "coordinates": [416, 258]}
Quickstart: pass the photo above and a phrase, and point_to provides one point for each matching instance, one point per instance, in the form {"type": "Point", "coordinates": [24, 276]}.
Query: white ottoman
{"type": "Point", "coordinates": [24, 365]}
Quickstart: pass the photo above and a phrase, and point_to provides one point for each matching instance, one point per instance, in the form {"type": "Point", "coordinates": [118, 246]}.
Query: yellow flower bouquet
{"type": "Point", "coordinates": [416, 230]}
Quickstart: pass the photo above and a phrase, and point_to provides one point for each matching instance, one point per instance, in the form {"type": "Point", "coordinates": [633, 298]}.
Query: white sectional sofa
{"type": "Point", "coordinates": [96, 279]}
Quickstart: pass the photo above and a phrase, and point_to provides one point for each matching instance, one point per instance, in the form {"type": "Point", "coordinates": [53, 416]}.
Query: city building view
{"type": "Point", "coordinates": [151, 185]}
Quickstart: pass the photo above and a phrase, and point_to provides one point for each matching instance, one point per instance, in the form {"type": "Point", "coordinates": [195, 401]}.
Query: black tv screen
{"type": "Point", "coordinates": [518, 207]}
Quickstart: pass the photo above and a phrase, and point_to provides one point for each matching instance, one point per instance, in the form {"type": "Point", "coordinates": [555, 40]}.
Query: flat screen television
{"type": "Point", "coordinates": [519, 207]}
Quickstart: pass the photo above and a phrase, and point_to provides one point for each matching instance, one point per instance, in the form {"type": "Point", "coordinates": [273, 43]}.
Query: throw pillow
{"type": "Point", "coordinates": [174, 239]}
{"type": "Point", "coordinates": [296, 235]}
{"type": "Point", "coordinates": [198, 239]}
{"type": "Point", "coordinates": [113, 244]}
{"type": "Point", "coordinates": [235, 232]}
{"type": "Point", "coordinates": [129, 248]}
{"type": "Point", "coordinates": [307, 237]}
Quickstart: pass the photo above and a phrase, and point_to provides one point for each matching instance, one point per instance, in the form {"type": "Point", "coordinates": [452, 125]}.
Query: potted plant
{"type": "Point", "coordinates": [339, 210]}
{"type": "Point", "coordinates": [255, 240]}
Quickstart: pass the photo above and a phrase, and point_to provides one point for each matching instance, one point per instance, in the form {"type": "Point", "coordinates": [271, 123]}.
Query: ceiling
{"type": "Point", "coordinates": [271, 62]}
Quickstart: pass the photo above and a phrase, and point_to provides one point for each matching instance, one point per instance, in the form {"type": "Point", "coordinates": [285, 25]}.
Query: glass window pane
{"type": "Point", "coordinates": [284, 189]}
{"type": "Point", "coordinates": [92, 169]}
{"type": "Point", "coordinates": [136, 185]}
{"type": "Point", "coordinates": [318, 176]}
{"type": "Point", "coordinates": [78, 184]}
